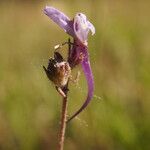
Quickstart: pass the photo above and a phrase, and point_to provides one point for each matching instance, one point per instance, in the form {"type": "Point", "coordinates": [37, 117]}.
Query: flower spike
{"type": "Point", "coordinates": [78, 28]}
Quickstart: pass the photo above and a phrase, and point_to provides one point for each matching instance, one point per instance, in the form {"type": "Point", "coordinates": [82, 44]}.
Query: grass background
{"type": "Point", "coordinates": [120, 58]}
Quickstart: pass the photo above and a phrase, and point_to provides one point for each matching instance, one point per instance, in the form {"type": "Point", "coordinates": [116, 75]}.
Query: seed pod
{"type": "Point", "coordinates": [58, 70]}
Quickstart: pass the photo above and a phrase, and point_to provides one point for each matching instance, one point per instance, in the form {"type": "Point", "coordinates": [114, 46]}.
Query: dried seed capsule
{"type": "Point", "coordinates": [58, 70]}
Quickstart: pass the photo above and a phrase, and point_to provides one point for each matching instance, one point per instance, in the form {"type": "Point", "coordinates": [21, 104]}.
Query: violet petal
{"type": "Point", "coordinates": [90, 81]}
{"type": "Point", "coordinates": [60, 19]}
{"type": "Point", "coordinates": [91, 27]}
{"type": "Point", "coordinates": [82, 27]}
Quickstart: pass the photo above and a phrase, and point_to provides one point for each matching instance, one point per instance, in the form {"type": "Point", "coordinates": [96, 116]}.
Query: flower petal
{"type": "Point", "coordinates": [82, 27]}
{"type": "Point", "coordinates": [90, 81]}
{"type": "Point", "coordinates": [60, 19]}
{"type": "Point", "coordinates": [91, 27]}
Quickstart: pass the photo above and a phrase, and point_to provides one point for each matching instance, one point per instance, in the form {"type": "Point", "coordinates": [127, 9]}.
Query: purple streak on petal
{"type": "Point", "coordinates": [60, 19]}
{"type": "Point", "coordinates": [76, 26]}
{"type": "Point", "coordinates": [90, 81]}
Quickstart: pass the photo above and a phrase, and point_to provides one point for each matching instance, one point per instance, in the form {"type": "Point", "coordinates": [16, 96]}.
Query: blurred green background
{"type": "Point", "coordinates": [118, 118]}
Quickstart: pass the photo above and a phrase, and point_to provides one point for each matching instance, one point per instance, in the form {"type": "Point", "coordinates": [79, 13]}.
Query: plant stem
{"type": "Point", "coordinates": [63, 122]}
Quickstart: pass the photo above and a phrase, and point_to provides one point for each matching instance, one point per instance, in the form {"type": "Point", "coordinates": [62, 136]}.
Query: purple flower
{"type": "Point", "coordinates": [78, 28]}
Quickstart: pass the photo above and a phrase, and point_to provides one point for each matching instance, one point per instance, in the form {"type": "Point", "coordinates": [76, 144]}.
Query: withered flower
{"type": "Point", "coordinates": [59, 72]}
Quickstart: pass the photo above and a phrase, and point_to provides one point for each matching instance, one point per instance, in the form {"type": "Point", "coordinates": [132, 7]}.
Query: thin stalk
{"type": "Point", "coordinates": [63, 122]}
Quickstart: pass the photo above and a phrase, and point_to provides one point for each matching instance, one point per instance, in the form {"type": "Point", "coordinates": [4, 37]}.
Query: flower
{"type": "Point", "coordinates": [78, 28]}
